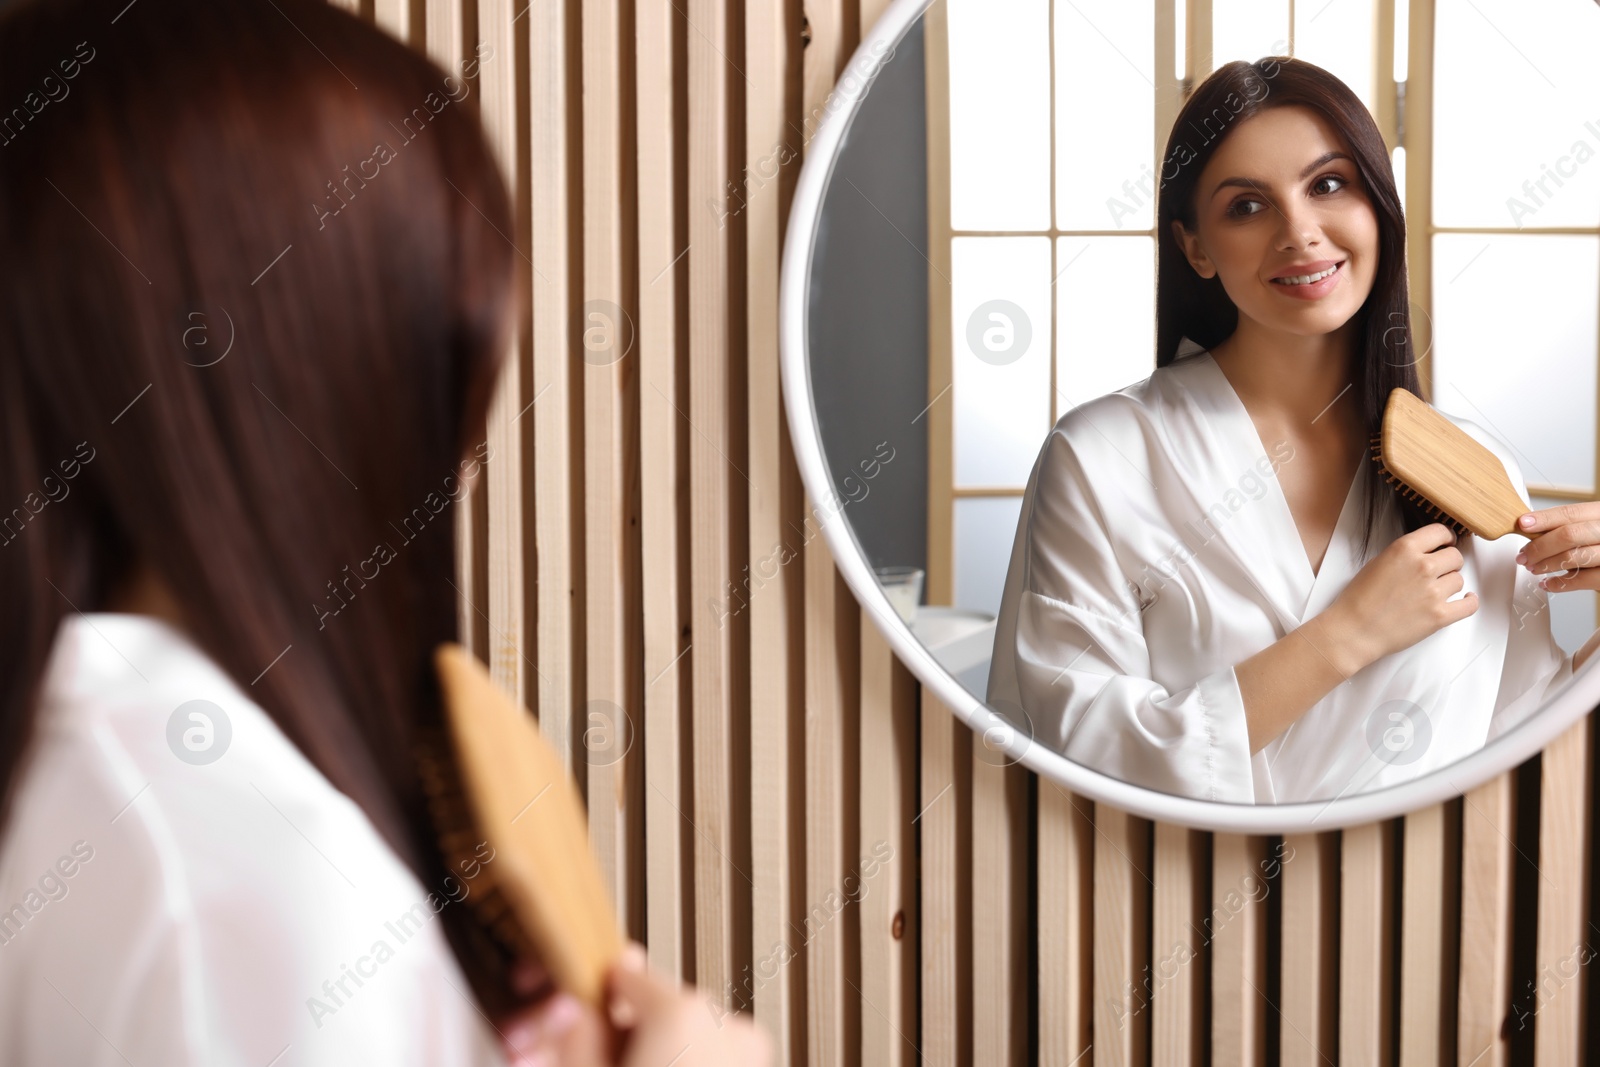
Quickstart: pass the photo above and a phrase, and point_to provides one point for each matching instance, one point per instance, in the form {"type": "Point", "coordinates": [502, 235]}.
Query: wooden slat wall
{"type": "Point", "coordinates": [785, 818]}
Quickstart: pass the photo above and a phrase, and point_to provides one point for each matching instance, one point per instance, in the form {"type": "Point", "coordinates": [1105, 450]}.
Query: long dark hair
{"type": "Point", "coordinates": [1188, 305]}
{"type": "Point", "coordinates": [279, 177]}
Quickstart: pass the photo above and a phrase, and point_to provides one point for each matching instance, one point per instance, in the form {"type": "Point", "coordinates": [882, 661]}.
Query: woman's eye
{"type": "Point", "coordinates": [1236, 209]}
{"type": "Point", "coordinates": [1332, 177]}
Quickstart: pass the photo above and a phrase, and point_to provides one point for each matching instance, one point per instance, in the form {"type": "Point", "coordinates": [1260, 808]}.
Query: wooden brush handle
{"type": "Point", "coordinates": [1430, 457]}
{"type": "Point", "coordinates": [527, 807]}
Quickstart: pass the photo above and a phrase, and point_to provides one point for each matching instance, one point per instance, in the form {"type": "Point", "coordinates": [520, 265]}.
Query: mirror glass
{"type": "Point", "coordinates": [1108, 554]}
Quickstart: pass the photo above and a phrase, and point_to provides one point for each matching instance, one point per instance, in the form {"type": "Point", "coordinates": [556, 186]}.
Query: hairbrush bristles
{"type": "Point", "coordinates": [1434, 512]}
{"type": "Point", "coordinates": [460, 841]}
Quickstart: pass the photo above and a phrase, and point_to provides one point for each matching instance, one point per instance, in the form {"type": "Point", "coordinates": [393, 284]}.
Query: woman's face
{"type": "Point", "coordinates": [1291, 207]}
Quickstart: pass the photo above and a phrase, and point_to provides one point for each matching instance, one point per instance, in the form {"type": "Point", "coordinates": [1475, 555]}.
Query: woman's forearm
{"type": "Point", "coordinates": [1284, 680]}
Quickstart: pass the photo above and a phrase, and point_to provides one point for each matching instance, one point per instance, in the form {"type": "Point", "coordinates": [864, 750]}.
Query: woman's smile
{"type": "Point", "coordinates": [1312, 285]}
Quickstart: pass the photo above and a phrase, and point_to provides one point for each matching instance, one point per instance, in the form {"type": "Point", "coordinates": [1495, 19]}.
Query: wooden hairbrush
{"type": "Point", "coordinates": [1436, 464]}
{"type": "Point", "coordinates": [545, 891]}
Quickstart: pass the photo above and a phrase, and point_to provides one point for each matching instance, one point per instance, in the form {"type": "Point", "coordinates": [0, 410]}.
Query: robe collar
{"type": "Point", "coordinates": [1230, 476]}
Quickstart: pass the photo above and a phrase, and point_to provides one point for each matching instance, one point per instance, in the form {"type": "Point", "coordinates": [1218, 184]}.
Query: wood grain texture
{"type": "Point", "coordinates": [608, 376]}
{"type": "Point", "coordinates": [1065, 890]}
{"type": "Point", "coordinates": [772, 590]}
{"type": "Point", "coordinates": [944, 838]}
{"type": "Point", "coordinates": [1309, 953]}
{"type": "Point", "coordinates": [885, 874]}
{"type": "Point", "coordinates": [718, 484]}
{"type": "Point", "coordinates": [659, 84]}
{"type": "Point", "coordinates": [1428, 937]}
{"type": "Point", "coordinates": [1566, 941]}
{"type": "Point", "coordinates": [1366, 945]}
{"type": "Point", "coordinates": [510, 637]}
{"type": "Point", "coordinates": [999, 908]}
{"type": "Point", "coordinates": [1236, 926]}
{"type": "Point", "coordinates": [1488, 822]}
{"type": "Point", "coordinates": [1122, 889]}
{"type": "Point", "coordinates": [1174, 985]}
{"type": "Point", "coordinates": [832, 690]}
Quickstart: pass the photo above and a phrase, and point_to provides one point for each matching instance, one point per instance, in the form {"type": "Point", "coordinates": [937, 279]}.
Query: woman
{"type": "Point", "coordinates": [256, 297]}
{"type": "Point", "coordinates": [1190, 606]}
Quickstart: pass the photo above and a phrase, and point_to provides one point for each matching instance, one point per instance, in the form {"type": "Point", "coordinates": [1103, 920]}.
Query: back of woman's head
{"type": "Point", "coordinates": [255, 290]}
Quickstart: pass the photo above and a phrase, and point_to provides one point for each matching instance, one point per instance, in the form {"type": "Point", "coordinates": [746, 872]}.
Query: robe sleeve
{"type": "Point", "coordinates": [1535, 665]}
{"type": "Point", "coordinates": [1071, 651]}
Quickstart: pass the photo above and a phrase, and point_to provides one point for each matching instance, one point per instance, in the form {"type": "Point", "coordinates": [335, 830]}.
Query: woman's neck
{"type": "Point", "coordinates": [1292, 376]}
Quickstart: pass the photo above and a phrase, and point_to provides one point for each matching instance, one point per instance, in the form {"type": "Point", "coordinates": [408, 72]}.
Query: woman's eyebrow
{"type": "Point", "coordinates": [1256, 183]}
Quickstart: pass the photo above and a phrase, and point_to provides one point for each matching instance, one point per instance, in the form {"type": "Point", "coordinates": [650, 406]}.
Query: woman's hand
{"type": "Point", "coordinates": [1564, 538]}
{"type": "Point", "coordinates": [1403, 594]}
{"type": "Point", "coordinates": [659, 1022]}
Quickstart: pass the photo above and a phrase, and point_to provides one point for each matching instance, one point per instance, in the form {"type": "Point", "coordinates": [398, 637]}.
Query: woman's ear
{"type": "Point", "coordinates": [1189, 243]}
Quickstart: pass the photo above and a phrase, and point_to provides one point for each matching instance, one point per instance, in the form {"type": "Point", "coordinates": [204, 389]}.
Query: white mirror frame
{"type": "Point", "coordinates": [1580, 695]}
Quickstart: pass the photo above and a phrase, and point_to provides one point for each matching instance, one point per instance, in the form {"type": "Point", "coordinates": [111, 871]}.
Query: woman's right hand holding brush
{"type": "Point", "coordinates": [1400, 597]}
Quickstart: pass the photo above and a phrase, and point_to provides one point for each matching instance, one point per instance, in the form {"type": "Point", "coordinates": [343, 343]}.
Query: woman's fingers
{"type": "Point", "coordinates": [531, 1040]}
{"type": "Point", "coordinates": [1562, 537]}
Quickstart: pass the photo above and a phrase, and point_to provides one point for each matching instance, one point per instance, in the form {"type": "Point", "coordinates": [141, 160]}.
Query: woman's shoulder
{"type": "Point", "coordinates": [1127, 425]}
{"type": "Point", "coordinates": [190, 882]}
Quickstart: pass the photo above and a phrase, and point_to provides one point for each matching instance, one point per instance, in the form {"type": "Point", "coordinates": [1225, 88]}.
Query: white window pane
{"type": "Point", "coordinates": [985, 527]}
{"type": "Point", "coordinates": [1516, 123]}
{"type": "Point", "coordinates": [1338, 37]}
{"type": "Point", "coordinates": [1105, 316]}
{"type": "Point", "coordinates": [1514, 342]}
{"type": "Point", "coordinates": [999, 115]}
{"type": "Point", "coordinates": [1000, 355]}
{"type": "Point", "coordinates": [1105, 155]}
{"type": "Point", "coordinates": [1248, 30]}
{"type": "Point", "coordinates": [1572, 612]}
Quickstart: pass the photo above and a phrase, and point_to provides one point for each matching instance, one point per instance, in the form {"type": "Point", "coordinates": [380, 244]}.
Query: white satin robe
{"type": "Point", "coordinates": [1126, 608]}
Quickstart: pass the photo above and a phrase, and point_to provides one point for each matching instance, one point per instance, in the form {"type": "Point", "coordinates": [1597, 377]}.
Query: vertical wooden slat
{"type": "Point", "coordinates": [776, 694]}
{"type": "Point", "coordinates": [1236, 923]}
{"type": "Point", "coordinates": [1427, 930]}
{"type": "Point", "coordinates": [1309, 957]}
{"type": "Point", "coordinates": [1170, 992]}
{"type": "Point", "coordinates": [1365, 945]}
{"type": "Point", "coordinates": [395, 16]}
{"type": "Point", "coordinates": [887, 871]}
{"type": "Point", "coordinates": [944, 830]}
{"type": "Point", "coordinates": [663, 510]}
{"type": "Point", "coordinates": [1066, 895]}
{"type": "Point", "coordinates": [888, 914]}
{"type": "Point", "coordinates": [1488, 821]}
{"type": "Point", "coordinates": [1000, 927]}
{"type": "Point", "coordinates": [447, 46]}
{"type": "Point", "coordinates": [506, 500]}
{"type": "Point", "coordinates": [609, 381]}
{"type": "Point", "coordinates": [445, 23]}
{"type": "Point", "coordinates": [832, 1008]}
{"type": "Point", "coordinates": [722, 887]}
{"type": "Point", "coordinates": [1565, 941]}
{"type": "Point", "coordinates": [1121, 949]}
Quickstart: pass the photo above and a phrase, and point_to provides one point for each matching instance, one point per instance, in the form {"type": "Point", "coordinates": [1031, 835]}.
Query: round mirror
{"type": "Point", "coordinates": [1086, 339]}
